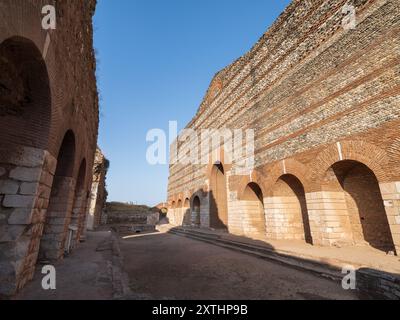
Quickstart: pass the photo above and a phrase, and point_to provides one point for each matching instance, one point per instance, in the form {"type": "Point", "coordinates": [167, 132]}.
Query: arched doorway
{"type": "Point", "coordinates": [25, 121]}
{"type": "Point", "coordinates": [253, 211]}
{"type": "Point", "coordinates": [171, 213]}
{"type": "Point", "coordinates": [178, 213]}
{"type": "Point", "coordinates": [187, 219]}
{"type": "Point", "coordinates": [365, 208]}
{"type": "Point", "coordinates": [291, 209]}
{"type": "Point", "coordinates": [25, 98]}
{"type": "Point", "coordinates": [61, 202]}
{"type": "Point", "coordinates": [218, 198]}
{"type": "Point", "coordinates": [196, 221]}
{"type": "Point", "coordinates": [79, 208]}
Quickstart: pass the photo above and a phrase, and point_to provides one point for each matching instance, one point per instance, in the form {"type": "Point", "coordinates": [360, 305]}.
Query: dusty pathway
{"type": "Point", "coordinates": [85, 274]}
{"type": "Point", "coordinates": [165, 266]}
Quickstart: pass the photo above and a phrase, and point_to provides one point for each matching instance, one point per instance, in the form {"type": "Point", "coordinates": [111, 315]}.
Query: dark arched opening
{"type": "Point", "coordinates": [218, 198]}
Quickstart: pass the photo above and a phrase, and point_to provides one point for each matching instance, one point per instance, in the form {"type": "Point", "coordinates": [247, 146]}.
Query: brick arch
{"type": "Point", "coordinates": [218, 197]}
{"type": "Point", "coordinates": [66, 157]}
{"type": "Point", "coordinates": [257, 177]}
{"type": "Point", "coordinates": [366, 153]}
{"type": "Point", "coordinates": [25, 96]}
{"type": "Point", "coordinates": [201, 193]}
{"type": "Point", "coordinates": [393, 152]}
{"type": "Point", "coordinates": [195, 207]}
{"type": "Point", "coordinates": [210, 166]}
{"type": "Point", "coordinates": [31, 30]}
{"type": "Point", "coordinates": [289, 198]}
{"type": "Point", "coordinates": [287, 167]}
{"type": "Point", "coordinates": [81, 178]}
{"type": "Point", "coordinates": [61, 201]}
{"type": "Point", "coordinates": [186, 202]}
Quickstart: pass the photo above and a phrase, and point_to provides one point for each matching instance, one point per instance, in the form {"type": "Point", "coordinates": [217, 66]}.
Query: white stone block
{"type": "Point", "coordinates": [28, 188]}
{"type": "Point", "coordinates": [26, 174]}
{"type": "Point", "coordinates": [20, 216]}
{"type": "Point", "coordinates": [18, 201]}
{"type": "Point", "coordinates": [11, 233]}
{"type": "Point", "coordinates": [388, 203]}
{"type": "Point", "coordinates": [8, 187]}
{"type": "Point", "coordinates": [388, 187]}
{"type": "Point", "coordinates": [23, 156]}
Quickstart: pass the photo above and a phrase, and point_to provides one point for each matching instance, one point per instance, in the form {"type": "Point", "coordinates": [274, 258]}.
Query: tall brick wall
{"type": "Point", "coordinates": [316, 94]}
{"type": "Point", "coordinates": [48, 131]}
{"type": "Point", "coordinates": [98, 195]}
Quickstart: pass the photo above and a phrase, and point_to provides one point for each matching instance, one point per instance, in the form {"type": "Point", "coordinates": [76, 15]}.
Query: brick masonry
{"type": "Point", "coordinates": [324, 103]}
{"type": "Point", "coordinates": [48, 131]}
{"type": "Point", "coordinates": [98, 194]}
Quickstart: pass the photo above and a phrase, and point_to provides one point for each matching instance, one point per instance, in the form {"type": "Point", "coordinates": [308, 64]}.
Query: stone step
{"type": "Point", "coordinates": [262, 252]}
{"type": "Point", "coordinates": [370, 283]}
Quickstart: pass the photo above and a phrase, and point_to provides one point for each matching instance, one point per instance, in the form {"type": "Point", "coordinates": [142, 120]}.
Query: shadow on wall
{"type": "Point", "coordinates": [188, 212]}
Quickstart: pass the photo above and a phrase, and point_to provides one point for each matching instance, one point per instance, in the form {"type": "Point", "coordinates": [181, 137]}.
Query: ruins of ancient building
{"type": "Point", "coordinates": [48, 132]}
{"type": "Point", "coordinates": [321, 89]}
{"type": "Point", "coordinates": [98, 194]}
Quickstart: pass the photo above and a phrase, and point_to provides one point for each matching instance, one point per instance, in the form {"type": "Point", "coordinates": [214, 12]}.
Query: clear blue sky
{"type": "Point", "coordinates": [156, 59]}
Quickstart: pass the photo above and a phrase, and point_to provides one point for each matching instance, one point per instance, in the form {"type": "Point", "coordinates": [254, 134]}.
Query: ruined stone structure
{"type": "Point", "coordinates": [324, 101]}
{"type": "Point", "coordinates": [48, 132]}
{"type": "Point", "coordinates": [98, 195]}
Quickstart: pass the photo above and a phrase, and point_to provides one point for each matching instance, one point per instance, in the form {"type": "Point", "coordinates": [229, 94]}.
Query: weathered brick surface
{"type": "Point", "coordinates": [98, 195]}
{"type": "Point", "coordinates": [323, 101]}
{"type": "Point", "coordinates": [44, 97]}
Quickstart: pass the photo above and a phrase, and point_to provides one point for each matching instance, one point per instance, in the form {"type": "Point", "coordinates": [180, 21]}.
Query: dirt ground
{"type": "Point", "coordinates": [85, 274]}
{"type": "Point", "coordinates": [166, 266]}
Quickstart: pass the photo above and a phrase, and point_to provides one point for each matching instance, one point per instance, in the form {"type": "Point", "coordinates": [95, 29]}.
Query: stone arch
{"type": "Point", "coordinates": [218, 197]}
{"type": "Point", "coordinates": [26, 167]}
{"type": "Point", "coordinates": [61, 201]}
{"type": "Point", "coordinates": [287, 210]}
{"type": "Point", "coordinates": [253, 213]}
{"type": "Point", "coordinates": [361, 217]}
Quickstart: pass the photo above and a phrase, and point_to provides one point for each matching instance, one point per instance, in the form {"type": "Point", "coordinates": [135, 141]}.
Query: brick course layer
{"type": "Point", "coordinates": [316, 94]}
{"type": "Point", "coordinates": [48, 131]}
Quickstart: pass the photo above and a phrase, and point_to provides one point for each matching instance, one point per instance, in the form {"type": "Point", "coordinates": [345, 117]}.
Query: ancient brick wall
{"type": "Point", "coordinates": [319, 96]}
{"type": "Point", "coordinates": [48, 131]}
{"type": "Point", "coordinates": [98, 196]}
